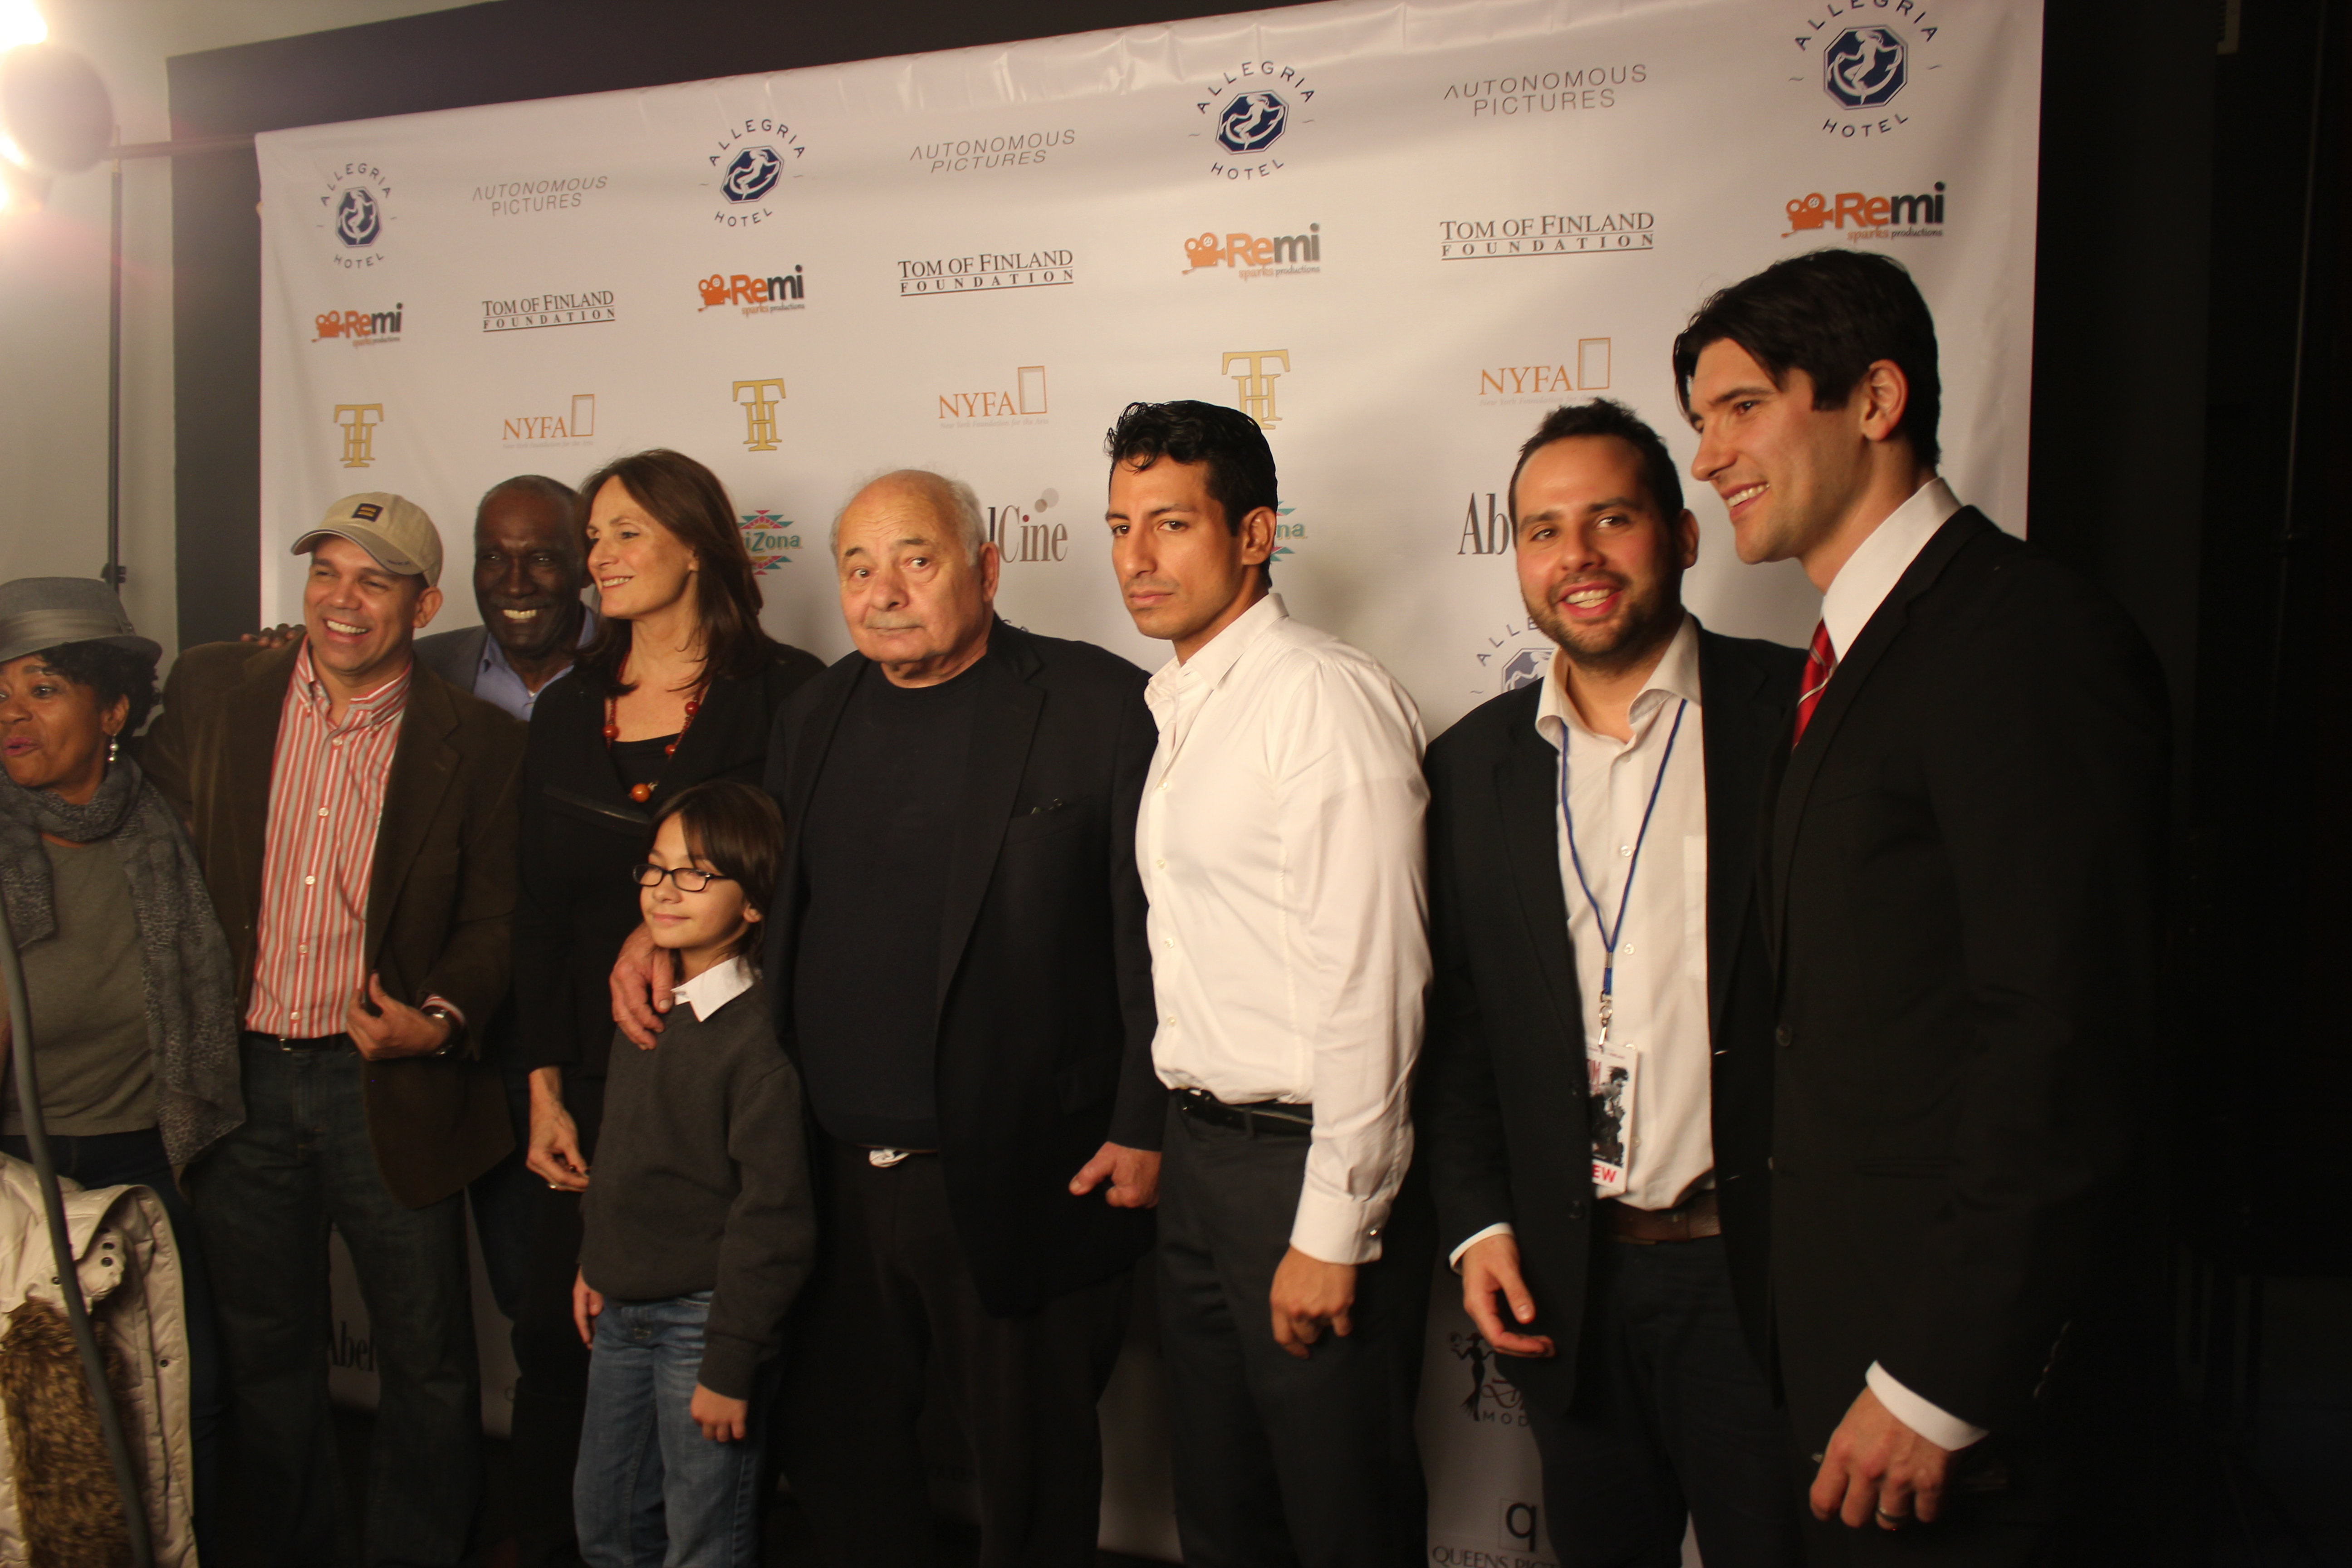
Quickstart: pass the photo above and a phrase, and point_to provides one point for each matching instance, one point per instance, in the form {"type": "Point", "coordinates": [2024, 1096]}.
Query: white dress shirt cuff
{"type": "Point", "coordinates": [1937, 1425]}
{"type": "Point", "coordinates": [1454, 1258]}
{"type": "Point", "coordinates": [1334, 1229]}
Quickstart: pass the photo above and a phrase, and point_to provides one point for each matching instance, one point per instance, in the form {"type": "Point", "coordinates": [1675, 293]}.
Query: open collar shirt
{"type": "Point", "coordinates": [1280, 844]}
{"type": "Point", "coordinates": [495, 681]}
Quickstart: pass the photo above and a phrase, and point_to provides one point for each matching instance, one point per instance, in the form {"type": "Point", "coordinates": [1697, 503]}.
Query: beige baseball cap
{"type": "Point", "coordinates": [391, 529]}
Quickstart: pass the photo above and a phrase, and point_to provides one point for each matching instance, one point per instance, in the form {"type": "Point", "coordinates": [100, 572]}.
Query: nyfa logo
{"type": "Point", "coordinates": [1257, 256]}
{"type": "Point", "coordinates": [1245, 116]}
{"type": "Point", "coordinates": [754, 295]}
{"type": "Point", "coordinates": [357, 421]}
{"type": "Point", "coordinates": [529, 313]}
{"type": "Point", "coordinates": [556, 427]}
{"type": "Point", "coordinates": [1254, 384]}
{"type": "Point", "coordinates": [1872, 217]}
{"type": "Point", "coordinates": [1546, 234]}
{"type": "Point", "coordinates": [769, 538]}
{"type": "Point", "coordinates": [752, 158]}
{"type": "Point", "coordinates": [515, 198]}
{"type": "Point", "coordinates": [985, 271]}
{"type": "Point", "coordinates": [975, 153]}
{"type": "Point", "coordinates": [759, 397]}
{"type": "Point", "coordinates": [1549, 382]}
{"type": "Point", "coordinates": [355, 209]}
{"type": "Point", "coordinates": [1862, 62]}
{"type": "Point", "coordinates": [1022, 537]}
{"type": "Point", "coordinates": [1545, 92]}
{"type": "Point", "coordinates": [358, 327]}
{"type": "Point", "coordinates": [1024, 400]}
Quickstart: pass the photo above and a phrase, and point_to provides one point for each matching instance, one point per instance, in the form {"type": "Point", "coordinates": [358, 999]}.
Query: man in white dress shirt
{"type": "Point", "coordinates": [1280, 846]}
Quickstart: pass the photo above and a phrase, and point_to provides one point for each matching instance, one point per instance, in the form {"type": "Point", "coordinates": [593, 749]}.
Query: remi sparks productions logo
{"type": "Point", "coordinates": [1546, 234]}
{"type": "Point", "coordinates": [570, 424]}
{"type": "Point", "coordinates": [1251, 256]}
{"type": "Point", "coordinates": [357, 328]}
{"type": "Point", "coordinates": [1022, 401]}
{"type": "Point", "coordinates": [970, 154]}
{"type": "Point", "coordinates": [523, 198]}
{"type": "Point", "coordinates": [759, 397]}
{"type": "Point", "coordinates": [753, 296]}
{"type": "Point", "coordinates": [1866, 59]}
{"type": "Point", "coordinates": [355, 209]}
{"type": "Point", "coordinates": [1250, 118]}
{"type": "Point", "coordinates": [770, 538]}
{"type": "Point", "coordinates": [752, 158]}
{"type": "Point", "coordinates": [358, 422]}
{"type": "Point", "coordinates": [1517, 654]}
{"type": "Point", "coordinates": [1870, 218]}
{"type": "Point", "coordinates": [530, 312]}
{"type": "Point", "coordinates": [984, 271]}
{"type": "Point", "coordinates": [1495, 99]}
{"type": "Point", "coordinates": [1022, 535]}
{"type": "Point", "coordinates": [1549, 380]}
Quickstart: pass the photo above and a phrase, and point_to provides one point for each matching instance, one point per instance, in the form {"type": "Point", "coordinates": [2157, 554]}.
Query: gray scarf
{"type": "Point", "coordinates": [191, 998]}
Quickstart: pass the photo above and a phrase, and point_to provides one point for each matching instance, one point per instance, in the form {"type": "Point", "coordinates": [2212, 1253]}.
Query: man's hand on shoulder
{"type": "Point", "coordinates": [279, 636]}
{"type": "Point", "coordinates": [1877, 1469]}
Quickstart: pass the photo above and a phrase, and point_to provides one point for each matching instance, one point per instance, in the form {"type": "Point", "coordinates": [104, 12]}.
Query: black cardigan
{"type": "Point", "coordinates": [581, 833]}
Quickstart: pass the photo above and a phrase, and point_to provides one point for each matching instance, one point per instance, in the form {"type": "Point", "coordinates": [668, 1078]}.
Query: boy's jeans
{"type": "Point", "coordinates": [652, 1491]}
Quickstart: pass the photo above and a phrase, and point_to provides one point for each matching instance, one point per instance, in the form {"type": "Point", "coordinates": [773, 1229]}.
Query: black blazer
{"type": "Point", "coordinates": [1961, 894]}
{"type": "Point", "coordinates": [581, 833]}
{"type": "Point", "coordinates": [1045, 983]}
{"type": "Point", "coordinates": [1502, 1095]}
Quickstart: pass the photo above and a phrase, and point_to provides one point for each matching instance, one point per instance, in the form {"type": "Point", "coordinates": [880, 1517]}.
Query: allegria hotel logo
{"type": "Point", "coordinates": [752, 158]}
{"type": "Point", "coordinates": [1862, 65]}
{"type": "Point", "coordinates": [1248, 118]}
{"type": "Point", "coordinates": [355, 209]}
{"type": "Point", "coordinates": [1253, 255]}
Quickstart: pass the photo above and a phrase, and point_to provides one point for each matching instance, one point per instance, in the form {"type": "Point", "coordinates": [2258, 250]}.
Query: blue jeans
{"type": "Point", "coordinates": [652, 1491]}
{"type": "Point", "coordinates": [137, 1159]}
{"type": "Point", "coordinates": [265, 1198]}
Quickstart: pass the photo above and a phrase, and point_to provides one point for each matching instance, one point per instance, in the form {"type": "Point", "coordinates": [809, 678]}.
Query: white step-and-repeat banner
{"type": "Point", "coordinates": [1394, 233]}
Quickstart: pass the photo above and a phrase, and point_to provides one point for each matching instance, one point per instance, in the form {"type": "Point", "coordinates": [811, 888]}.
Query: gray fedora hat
{"type": "Point", "coordinates": [38, 613]}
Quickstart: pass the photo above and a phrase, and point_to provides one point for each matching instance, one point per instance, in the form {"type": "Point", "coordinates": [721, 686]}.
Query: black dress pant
{"type": "Point", "coordinates": [892, 1303]}
{"type": "Point", "coordinates": [1281, 1461]}
{"type": "Point", "coordinates": [550, 1363]}
{"type": "Point", "coordinates": [1672, 1422]}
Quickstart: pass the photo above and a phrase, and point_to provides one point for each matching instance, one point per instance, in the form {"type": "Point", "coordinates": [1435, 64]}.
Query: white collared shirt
{"type": "Point", "coordinates": [1280, 844]}
{"type": "Point", "coordinates": [1854, 595]}
{"type": "Point", "coordinates": [715, 986]}
{"type": "Point", "coordinates": [1879, 562]}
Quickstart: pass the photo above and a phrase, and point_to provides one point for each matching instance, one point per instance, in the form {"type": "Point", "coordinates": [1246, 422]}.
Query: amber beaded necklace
{"type": "Point", "coordinates": [642, 793]}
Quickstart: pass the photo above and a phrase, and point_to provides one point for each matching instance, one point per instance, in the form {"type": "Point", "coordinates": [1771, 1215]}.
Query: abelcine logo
{"type": "Point", "coordinates": [972, 154]}
{"type": "Point", "coordinates": [1249, 256]}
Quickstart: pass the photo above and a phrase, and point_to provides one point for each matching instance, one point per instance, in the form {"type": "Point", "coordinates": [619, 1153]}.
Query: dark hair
{"type": "Point", "coordinates": [554, 491]}
{"type": "Point", "coordinates": [1241, 464]}
{"type": "Point", "coordinates": [687, 498]}
{"type": "Point", "coordinates": [1829, 313]}
{"type": "Point", "coordinates": [1606, 417]}
{"type": "Point", "coordinates": [737, 828]}
{"type": "Point", "coordinates": [110, 672]}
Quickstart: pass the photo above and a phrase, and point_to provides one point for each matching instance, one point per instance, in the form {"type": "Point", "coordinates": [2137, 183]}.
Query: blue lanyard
{"type": "Point", "coordinates": [1612, 930]}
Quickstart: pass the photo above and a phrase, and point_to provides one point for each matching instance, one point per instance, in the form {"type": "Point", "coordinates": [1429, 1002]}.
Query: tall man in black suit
{"type": "Point", "coordinates": [957, 961]}
{"type": "Point", "coordinates": [1596, 1088]}
{"type": "Point", "coordinates": [1959, 889]}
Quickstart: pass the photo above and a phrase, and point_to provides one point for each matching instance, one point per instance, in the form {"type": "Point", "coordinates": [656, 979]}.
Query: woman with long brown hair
{"type": "Point", "coordinates": [678, 685]}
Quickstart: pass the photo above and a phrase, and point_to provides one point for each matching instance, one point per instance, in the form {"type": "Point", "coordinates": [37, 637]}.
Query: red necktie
{"type": "Point", "coordinates": [1820, 663]}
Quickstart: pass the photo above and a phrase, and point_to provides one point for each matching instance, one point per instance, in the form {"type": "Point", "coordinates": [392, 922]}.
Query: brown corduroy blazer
{"type": "Point", "coordinates": [440, 895]}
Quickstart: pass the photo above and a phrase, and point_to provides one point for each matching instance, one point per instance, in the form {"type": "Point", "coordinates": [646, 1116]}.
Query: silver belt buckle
{"type": "Point", "coordinates": [883, 1158]}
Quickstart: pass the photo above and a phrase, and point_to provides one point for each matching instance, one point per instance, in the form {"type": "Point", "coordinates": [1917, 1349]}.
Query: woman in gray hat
{"type": "Point", "coordinates": [125, 967]}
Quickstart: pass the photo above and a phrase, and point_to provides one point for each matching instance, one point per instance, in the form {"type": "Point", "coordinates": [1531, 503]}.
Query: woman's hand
{"type": "Point", "coordinates": [721, 1419]}
{"type": "Point", "coordinates": [585, 1304]}
{"type": "Point", "coordinates": [554, 1156]}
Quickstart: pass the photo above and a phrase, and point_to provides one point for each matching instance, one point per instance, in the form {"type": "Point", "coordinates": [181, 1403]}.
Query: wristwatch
{"type": "Point", "coordinates": [456, 1025]}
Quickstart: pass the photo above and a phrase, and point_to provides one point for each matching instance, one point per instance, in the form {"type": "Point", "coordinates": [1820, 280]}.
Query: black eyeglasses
{"type": "Point", "coordinates": [689, 879]}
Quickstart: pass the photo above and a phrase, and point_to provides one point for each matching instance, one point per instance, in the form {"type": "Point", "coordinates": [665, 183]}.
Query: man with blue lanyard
{"type": "Point", "coordinates": [1596, 1092]}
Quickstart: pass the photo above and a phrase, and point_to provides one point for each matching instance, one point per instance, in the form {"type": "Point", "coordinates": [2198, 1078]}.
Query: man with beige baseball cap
{"type": "Point", "coordinates": [355, 815]}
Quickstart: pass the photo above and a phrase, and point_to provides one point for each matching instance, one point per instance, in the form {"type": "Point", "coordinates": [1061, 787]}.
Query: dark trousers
{"type": "Point", "coordinates": [265, 1200]}
{"type": "Point", "coordinates": [1673, 1423]}
{"type": "Point", "coordinates": [1280, 1461]}
{"type": "Point", "coordinates": [137, 1159]}
{"type": "Point", "coordinates": [506, 1206]}
{"type": "Point", "coordinates": [551, 1362]}
{"type": "Point", "coordinates": [891, 1310]}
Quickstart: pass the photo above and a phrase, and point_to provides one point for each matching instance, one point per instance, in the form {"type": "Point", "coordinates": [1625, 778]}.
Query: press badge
{"type": "Point", "coordinates": [1613, 1066]}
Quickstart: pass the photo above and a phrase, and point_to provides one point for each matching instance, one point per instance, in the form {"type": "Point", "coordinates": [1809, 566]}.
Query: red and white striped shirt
{"type": "Point", "coordinates": [326, 799]}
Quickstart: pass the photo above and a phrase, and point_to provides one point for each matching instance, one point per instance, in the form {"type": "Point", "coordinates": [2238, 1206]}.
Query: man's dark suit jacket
{"type": "Point", "coordinates": [1502, 1090]}
{"type": "Point", "coordinates": [440, 893]}
{"type": "Point", "coordinates": [1961, 895]}
{"type": "Point", "coordinates": [454, 656]}
{"type": "Point", "coordinates": [1044, 993]}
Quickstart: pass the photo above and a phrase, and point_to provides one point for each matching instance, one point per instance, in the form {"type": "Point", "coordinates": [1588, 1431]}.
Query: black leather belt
{"type": "Point", "coordinates": [297, 1043]}
{"type": "Point", "coordinates": [1272, 1118]}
